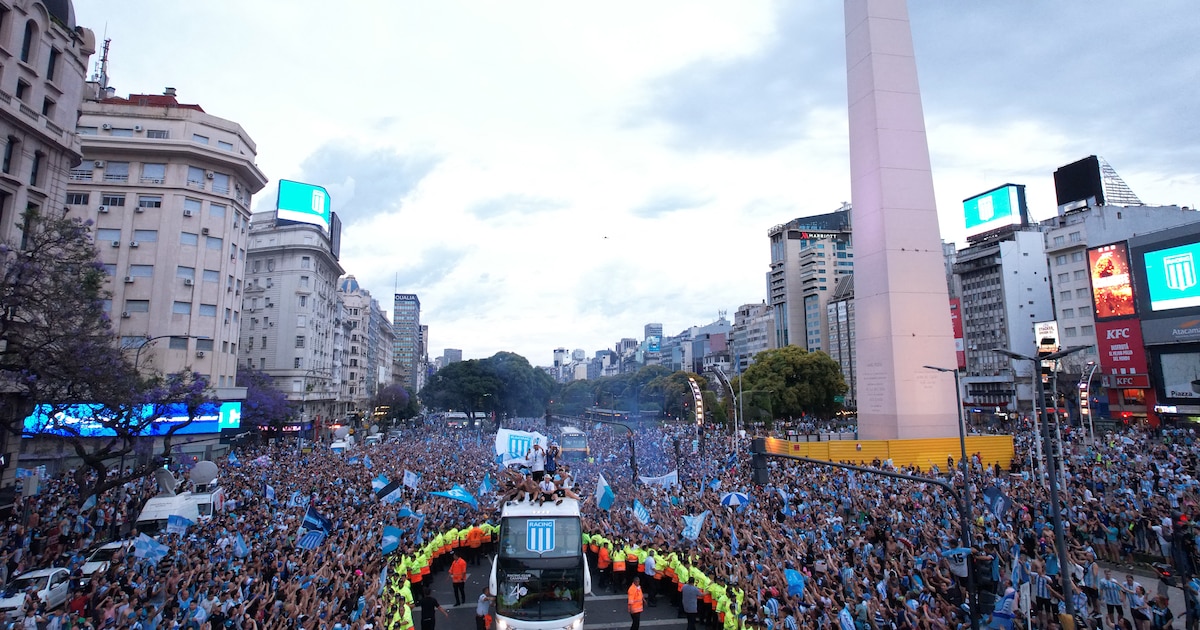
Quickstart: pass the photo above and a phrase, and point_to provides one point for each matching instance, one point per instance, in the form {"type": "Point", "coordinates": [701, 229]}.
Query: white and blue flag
{"type": "Point", "coordinates": [311, 540]}
{"type": "Point", "coordinates": [233, 459]}
{"type": "Point", "coordinates": [411, 479]}
{"type": "Point", "coordinates": [298, 500]}
{"type": "Point", "coordinates": [270, 493]}
{"type": "Point", "coordinates": [693, 524]}
{"type": "Point", "coordinates": [539, 535]}
{"type": "Point", "coordinates": [458, 493]}
{"type": "Point", "coordinates": [146, 548]}
{"type": "Point", "coordinates": [240, 548]}
{"type": "Point", "coordinates": [391, 539]}
{"type": "Point", "coordinates": [367, 461]}
{"type": "Point", "coordinates": [487, 486]}
{"type": "Point", "coordinates": [604, 494]}
{"type": "Point", "coordinates": [379, 483]}
{"type": "Point", "coordinates": [641, 513]}
{"type": "Point", "coordinates": [665, 481]}
{"type": "Point", "coordinates": [512, 446]}
{"type": "Point", "coordinates": [177, 524]}
{"type": "Point", "coordinates": [314, 520]}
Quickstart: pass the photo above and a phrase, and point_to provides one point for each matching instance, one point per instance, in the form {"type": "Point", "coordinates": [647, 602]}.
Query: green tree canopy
{"type": "Point", "coordinates": [797, 382]}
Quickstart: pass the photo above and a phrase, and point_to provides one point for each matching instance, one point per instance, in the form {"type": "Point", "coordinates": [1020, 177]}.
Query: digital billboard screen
{"type": "Point", "coordinates": [1180, 375]}
{"type": "Point", "coordinates": [1112, 283]}
{"type": "Point", "coordinates": [653, 343]}
{"type": "Point", "coordinates": [303, 203]}
{"type": "Point", "coordinates": [89, 420]}
{"type": "Point", "coordinates": [1121, 348]}
{"type": "Point", "coordinates": [995, 208]}
{"type": "Point", "coordinates": [1171, 277]}
{"type": "Point", "coordinates": [1079, 183]}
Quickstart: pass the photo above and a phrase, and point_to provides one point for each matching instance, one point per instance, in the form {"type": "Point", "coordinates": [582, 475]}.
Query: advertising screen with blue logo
{"type": "Point", "coordinates": [92, 420]}
{"type": "Point", "coordinates": [1171, 277]}
{"type": "Point", "coordinates": [994, 209]}
{"type": "Point", "coordinates": [303, 203]}
{"type": "Point", "coordinates": [539, 535]}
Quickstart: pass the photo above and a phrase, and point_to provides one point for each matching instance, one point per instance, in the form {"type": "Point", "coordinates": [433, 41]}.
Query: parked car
{"type": "Point", "coordinates": [51, 585]}
{"type": "Point", "coordinates": [100, 558]}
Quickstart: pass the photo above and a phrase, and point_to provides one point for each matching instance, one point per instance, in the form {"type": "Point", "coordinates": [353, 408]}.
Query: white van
{"type": "Point", "coordinates": [153, 519]}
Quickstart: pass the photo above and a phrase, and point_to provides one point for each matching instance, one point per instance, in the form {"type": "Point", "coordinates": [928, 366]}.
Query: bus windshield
{"type": "Point", "coordinates": [532, 537]}
{"type": "Point", "coordinates": [539, 589]}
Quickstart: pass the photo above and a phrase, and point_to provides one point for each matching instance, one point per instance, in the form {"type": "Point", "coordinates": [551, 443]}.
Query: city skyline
{"type": "Point", "coordinates": [542, 176]}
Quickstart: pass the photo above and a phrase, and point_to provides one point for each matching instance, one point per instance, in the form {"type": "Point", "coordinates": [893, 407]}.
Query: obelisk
{"type": "Point", "coordinates": [902, 306]}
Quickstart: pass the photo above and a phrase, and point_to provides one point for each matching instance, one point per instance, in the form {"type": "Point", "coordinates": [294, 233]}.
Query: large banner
{"type": "Point", "coordinates": [1122, 351]}
{"type": "Point", "coordinates": [512, 446]}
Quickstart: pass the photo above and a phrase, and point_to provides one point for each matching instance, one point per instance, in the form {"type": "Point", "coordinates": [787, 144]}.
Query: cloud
{"type": "Point", "coordinates": [513, 204]}
{"type": "Point", "coordinates": [669, 202]}
{"type": "Point", "coordinates": [761, 101]}
{"type": "Point", "coordinates": [362, 184]}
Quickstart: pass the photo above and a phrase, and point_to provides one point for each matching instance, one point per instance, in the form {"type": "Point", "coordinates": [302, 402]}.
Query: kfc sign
{"type": "Point", "coordinates": [1122, 352]}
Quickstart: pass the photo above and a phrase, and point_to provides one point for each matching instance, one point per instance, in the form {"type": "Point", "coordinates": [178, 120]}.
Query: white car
{"type": "Point", "coordinates": [51, 585]}
{"type": "Point", "coordinates": [98, 561]}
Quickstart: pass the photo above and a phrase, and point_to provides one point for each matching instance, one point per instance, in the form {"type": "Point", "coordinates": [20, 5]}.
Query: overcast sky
{"type": "Point", "coordinates": [558, 174]}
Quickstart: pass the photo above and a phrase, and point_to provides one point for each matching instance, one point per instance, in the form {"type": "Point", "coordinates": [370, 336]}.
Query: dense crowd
{"type": "Point", "coordinates": [817, 547]}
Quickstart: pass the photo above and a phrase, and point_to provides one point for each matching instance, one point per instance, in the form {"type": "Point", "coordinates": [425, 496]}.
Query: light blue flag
{"type": "Point", "coordinates": [693, 524]}
{"type": "Point", "coordinates": [270, 493]}
{"type": "Point", "coordinates": [787, 510]}
{"type": "Point", "coordinates": [177, 524]}
{"type": "Point", "coordinates": [733, 542]}
{"type": "Point", "coordinates": [311, 540]}
{"type": "Point", "coordinates": [405, 513]}
{"type": "Point", "coordinates": [391, 539]}
{"type": "Point", "coordinates": [487, 486]}
{"type": "Point", "coordinates": [795, 582]}
{"type": "Point", "coordinates": [714, 485]}
{"type": "Point", "coordinates": [458, 493]}
{"type": "Point", "coordinates": [411, 479]}
{"type": "Point", "coordinates": [352, 460]}
{"type": "Point", "coordinates": [418, 536]}
{"type": "Point", "coordinates": [641, 513]}
{"type": "Point", "coordinates": [240, 548]}
{"type": "Point", "coordinates": [146, 548]}
{"type": "Point", "coordinates": [379, 483]}
{"type": "Point", "coordinates": [367, 461]}
{"type": "Point", "coordinates": [604, 494]}
{"type": "Point", "coordinates": [298, 500]}
{"type": "Point", "coordinates": [89, 503]}
{"type": "Point", "coordinates": [233, 460]}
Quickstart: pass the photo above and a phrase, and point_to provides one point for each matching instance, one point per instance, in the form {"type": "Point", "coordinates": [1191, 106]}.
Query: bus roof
{"type": "Point", "coordinates": [569, 507]}
{"type": "Point", "coordinates": [570, 431]}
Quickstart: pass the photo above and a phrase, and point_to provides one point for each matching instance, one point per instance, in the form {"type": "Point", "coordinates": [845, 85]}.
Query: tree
{"type": "Point", "coordinates": [265, 406]}
{"type": "Point", "coordinates": [400, 405]}
{"type": "Point", "coordinates": [58, 351]}
{"type": "Point", "coordinates": [797, 382]}
{"type": "Point", "coordinates": [504, 382]}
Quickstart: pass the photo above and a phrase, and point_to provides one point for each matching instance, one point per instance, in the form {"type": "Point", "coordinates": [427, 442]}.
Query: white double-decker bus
{"type": "Point", "coordinates": [540, 573]}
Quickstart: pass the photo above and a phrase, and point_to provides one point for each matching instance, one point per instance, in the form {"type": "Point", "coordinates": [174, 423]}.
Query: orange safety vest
{"type": "Point", "coordinates": [475, 537]}
{"type": "Point", "coordinates": [635, 599]}
{"type": "Point", "coordinates": [619, 563]}
{"type": "Point", "coordinates": [458, 571]}
{"type": "Point", "coordinates": [605, 559]}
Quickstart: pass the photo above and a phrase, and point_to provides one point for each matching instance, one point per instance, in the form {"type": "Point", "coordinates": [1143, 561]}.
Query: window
{"type": "Point", "coordinates": [87, 131]}
{"type": "Point", "coordinates": [195, 176]}
{"type": "Point", "coordinates": [149, 201]}
{"type": "Point", "coordinates": [1060, 259]}
{"type": "Point", "coordinates": [141, 271]}
{"type": "Point", "coordinates": [47, 107]}
{"type": "Point", "coordinates": [52, 63]}
{"type": "Point", "coordinates": [208, 310]}
{"type": "Point", "coordinates": [77, 199]}
{"type": "Point", "coordinates": [181, 308]}
{"type": "Point", "coordinates": [1081, 294]}
{"type": "Point", "coordinates": [9, 150]}
{"type": "Point", "coordinates": [189, 238]}
{"type": "Point", "coordinates": [137, 306]}
{"type": "Point", "coordinates": [204, 345]}
{"type": "Point", "coordinates": [1064, 277]}
{"type": "Point", "coordinates": [36, 169]}
{"type": "Point", "coordinates": [192, 204]}
{"type": "Point", "coordinates": [111, 270]}
{"type": "Point", "coordinates": [299, 341]}
{"type": "Point", "coordinates": [28, 41]}
{"type": "Point", "coordinates": [1077, 256]}
{"type": "Point", "coordinates": [301, 321]}
{"type": "Point", "coordinates": [216, 210]}
{"type": "Point", "coordinates": [199, 138]}
{"type": "Point", "coordinates": [154, 173]}
{"type": "Point", "coordinates": [1070, 331]}
{"type": "Point", "coordinates": [256, 265]}
{"type": "Point", "coordinates": [212, 275]}
{"type": "Point", "coordinates": [262, 363]}
{"type": "Point", "coordinates": [1075, 237]}
{"type": "Point", "coordinates": [113, 200]}
{"type": "Point", "coordinates": [220, 183]}
{"type": "Point", "coordinates": [303, 301]}
{"type": "Point", "coordinates": [178, 343]}
{"type": "Point", "coordinates": [116, 172]}
{"type": "Point", "coordinates": [225, 146]}
{"type": "Point", "coordinates": [213, 242]}
{"type": "Point", "coordinates": [1064, 296]}
{"type": "Point", "coordinates": [122, 132]}
{"type": "Point", "coordinates": [187, 273]}
{"type": "Point", "coordinates": [305, 262]}
{"type": "Point", "coordinates": [296, 363]}
{"type": "Point", "coordinates": [264, 339]}
{"type": "Point", "coordinates": [1068, 313]}
{"type": "Point", "coordinates": [107, 234]}
{"type": "Point", "coordinates": [304, 282]}
{"type": "Point", "coordinates": [1086, 330]}
{"type": "Point", "coordinates": [22, 90]}
{"type": "Point", "coordinates": [145, 236]}
{"type": "Point", "coordinates": [1059, 240]}
{"type": "Point", "coordinates": [159, 134]}
{"type": "Point", "coordinates": [250, 344]}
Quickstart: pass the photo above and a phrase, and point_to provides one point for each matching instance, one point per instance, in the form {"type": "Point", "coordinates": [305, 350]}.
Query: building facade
{"type": "Point", "coordinates": [841, 346]}
{"type": "Point", "coordinates": [753, 331]}
{"type": "Point", "coordinates": [368, 358]}
{"type": "Point", "coordinates": [808, 255]}
{"type": "Point", "coordinates": [169, 188]}
{"type": "Point", "coordinates": [406, 326]}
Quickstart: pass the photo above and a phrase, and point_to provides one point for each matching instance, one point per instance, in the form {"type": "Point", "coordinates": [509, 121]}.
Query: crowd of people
{"type": "Point", "coordinates": [816, 547]}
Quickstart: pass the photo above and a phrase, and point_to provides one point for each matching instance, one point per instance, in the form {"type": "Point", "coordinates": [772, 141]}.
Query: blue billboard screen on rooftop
{"type": "Point", "coordinates": [88, 419]}
{"type": "Point", "coordinates": [303, 203]}
{"type": "Point", "coordinates": [995, 208]}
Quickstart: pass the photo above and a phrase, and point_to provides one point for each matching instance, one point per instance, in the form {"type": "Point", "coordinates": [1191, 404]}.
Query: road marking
{"type": "Point", "coordinates": [625, 624]}
{"type": "Point", "coordinates": [600, 598]}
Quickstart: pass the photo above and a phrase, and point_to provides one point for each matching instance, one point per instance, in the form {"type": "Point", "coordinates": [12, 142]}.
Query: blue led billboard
{"type": "Point", "coordinates": [303, 203]}
{"type": "Point", "coordinates": [87, 420]}
{"type": "Point", "coordinates": [1171, 277]}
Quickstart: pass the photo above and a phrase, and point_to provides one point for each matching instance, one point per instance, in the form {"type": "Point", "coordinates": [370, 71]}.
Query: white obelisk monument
{"type": "Point", "coordinates": [902, 306]}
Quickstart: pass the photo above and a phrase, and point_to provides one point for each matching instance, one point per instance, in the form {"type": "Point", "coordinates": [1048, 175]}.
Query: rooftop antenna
{"type": "Point", "coordinates": [100, 74]}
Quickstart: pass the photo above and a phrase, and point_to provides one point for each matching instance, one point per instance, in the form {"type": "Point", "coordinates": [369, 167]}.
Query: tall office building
{"type": "Point", "coordinates": [406, 325]}
{"type": "Point", "coordinates": [368, 357]}
{"type": "Point", "coordinates": [169, 186]}
{"type": "Point", "coordinates": [841, 348]}
{"type": "Point", "coordinates": [808, 256]}
{"type": "Point", "coordinates": [291, 310]}
{"type": "Point", "coordinates": [451, 355]}
{"type": "Point", "coordinates": [753, 331]}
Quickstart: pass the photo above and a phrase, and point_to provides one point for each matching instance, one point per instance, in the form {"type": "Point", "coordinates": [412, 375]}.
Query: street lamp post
{"type": "Point", "coordinates": [741, 412]}
{"type": "Point", "coordinates": [1060, 542]}
{"type": "Point", "coordinates": [966, 511]}
{"type": "Point", "coordinates": [1085, 400]}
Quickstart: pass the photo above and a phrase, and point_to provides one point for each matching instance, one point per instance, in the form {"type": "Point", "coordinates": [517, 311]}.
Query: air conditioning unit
{"type": "Point", "coordinates": [139, 209]}
{"type": "Point", "coordinates": [106, 126]}
{"type": "Point", "coordinates": [133, 243]}
{"type": "Point", "coordinates": [187, 282]}
{"type": "Point", "coordinates": [204, 231]}
{"type": "Point", "coordinates": [98, 163]}
{"type": "Point", "coordinates": [187, 213]}
{"type": "Point", "coordinates": [199, 354]}
{"type": "Point", "coordinates": [125, 314]}
{"type": "Point", "coordinates": [116, 243]}
{"type": "Point", "coordinates": [102, 209]}
{"type": "Point", "coordinates": [209, 174]}
{"type": "Point", "coordinates": [128, 279]}
{"type": "Point", "coordinates": [137, 127]}
{"type": "Point", "coordinates": [272, 324]}
{"type": "Point", "coordinates": [228, 289]}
